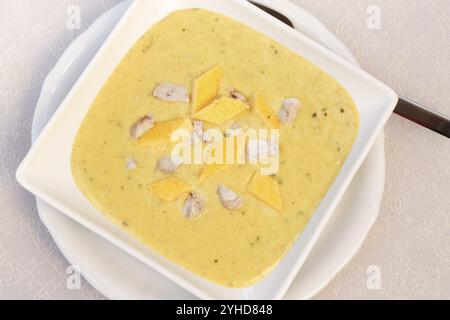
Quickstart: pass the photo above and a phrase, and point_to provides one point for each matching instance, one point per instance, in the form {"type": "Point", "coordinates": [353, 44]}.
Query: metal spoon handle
{"type": "Point", "coordinates": [422, 115]}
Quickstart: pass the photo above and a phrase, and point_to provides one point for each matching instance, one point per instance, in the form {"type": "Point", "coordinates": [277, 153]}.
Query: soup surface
{"type": "Point", "coordinates": [228, 223]}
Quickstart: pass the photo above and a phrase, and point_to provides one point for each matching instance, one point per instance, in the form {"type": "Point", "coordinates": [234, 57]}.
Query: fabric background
{"type": "Point", "coordinates": [410, 243]}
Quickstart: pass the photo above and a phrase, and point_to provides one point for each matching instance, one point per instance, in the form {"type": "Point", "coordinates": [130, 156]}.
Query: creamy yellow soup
{"type": "Point", "coordinates": [233, 248]}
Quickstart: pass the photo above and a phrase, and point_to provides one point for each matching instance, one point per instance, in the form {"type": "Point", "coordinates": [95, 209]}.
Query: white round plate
{"type": "Point", "coordinates": [117, 275]}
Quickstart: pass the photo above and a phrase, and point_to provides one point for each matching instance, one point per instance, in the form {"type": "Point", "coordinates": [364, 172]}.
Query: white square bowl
{"type": "Point", "coordinates": [46, 170]}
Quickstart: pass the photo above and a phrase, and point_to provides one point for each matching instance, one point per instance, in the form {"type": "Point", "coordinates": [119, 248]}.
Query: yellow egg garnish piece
{"type": "Point", "coordinates": [264, 111]}
{"type": "Point", "coordinates": [206, 87]}
{"type": "Point", "coordinates": [169, 189]}
{"type": "Point", "coordinates": [211, 169]}
{"type": "Point", "coordinates": [267, 189]}
{"type": "Point", "coordinates": [162, 131]}
{"type": "Point", "coordinates": [221, 111]}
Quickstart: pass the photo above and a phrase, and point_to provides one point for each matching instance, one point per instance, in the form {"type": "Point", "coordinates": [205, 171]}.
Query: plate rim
{"type": "Point", "coordinates": [41, 205]}
{"type": "Point", "coordinates": [31, 187]}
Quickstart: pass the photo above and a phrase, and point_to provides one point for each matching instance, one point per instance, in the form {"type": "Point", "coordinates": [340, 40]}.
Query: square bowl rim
{"type": "Point", "coordinates": [23, 179]}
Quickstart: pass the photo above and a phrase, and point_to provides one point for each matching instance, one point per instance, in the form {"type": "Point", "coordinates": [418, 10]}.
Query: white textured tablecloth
{"type": "Point", "coordinates": [410, 243]}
